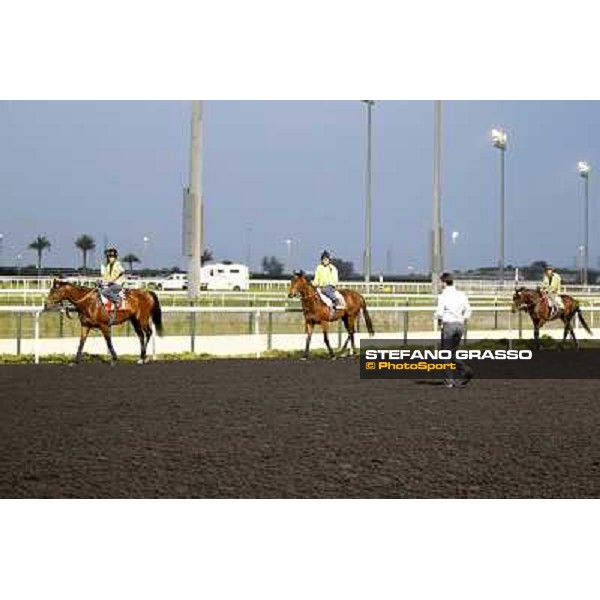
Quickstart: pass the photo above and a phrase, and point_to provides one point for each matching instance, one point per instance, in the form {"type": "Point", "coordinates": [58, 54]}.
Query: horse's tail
{"type": "Point", "coordinates": [582, 320]}
{"type": "Point", "coordinates": [367, 316]}
{"type": "Point", "coordinates": [156, 313]}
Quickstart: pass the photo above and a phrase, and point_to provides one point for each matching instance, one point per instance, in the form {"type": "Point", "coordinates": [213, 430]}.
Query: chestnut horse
{"type": "Point", "coordinates": [535, 303]}
{"type": "Point", "coordinates": [141, 308]}
{"type": "Point", "coordinates": [316, 312]}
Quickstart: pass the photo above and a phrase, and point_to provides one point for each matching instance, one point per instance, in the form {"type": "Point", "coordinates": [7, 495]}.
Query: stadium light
{"type": "Point", "coordinates": [583, 168]}
{"type": "Point", "coordinates": [499, 139]}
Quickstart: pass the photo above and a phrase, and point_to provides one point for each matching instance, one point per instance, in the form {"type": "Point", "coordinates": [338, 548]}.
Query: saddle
{"type": "Point", "coordinates": [340, 302]}
{"type": "Point", "coordinates": [554, 308]}
{"type": "Point", "coordinates": [109, 305]}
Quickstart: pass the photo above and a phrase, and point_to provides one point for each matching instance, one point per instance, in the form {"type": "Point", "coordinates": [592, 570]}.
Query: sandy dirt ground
{"type": "Point", "coordinates": [290, 429]}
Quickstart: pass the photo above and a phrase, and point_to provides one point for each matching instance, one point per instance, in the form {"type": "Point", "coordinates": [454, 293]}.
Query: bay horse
{"type": "Point", "coordinates": [535, 303]}
{"type": "Point", "coordinates": [140, 309]}
{"type": "Point", "coordinates": [317, 312]}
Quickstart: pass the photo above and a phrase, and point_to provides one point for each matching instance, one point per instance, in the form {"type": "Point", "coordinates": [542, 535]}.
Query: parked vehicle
{"type": "Point", "coordinates": [175, 281]}
{"type": "Point", "coordinates": [225, 276]}
{"type": "Point", "coordinates": [133, 282]}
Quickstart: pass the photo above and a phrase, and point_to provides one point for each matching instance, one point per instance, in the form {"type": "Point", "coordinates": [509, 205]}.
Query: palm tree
{"type": "Point", "coordinates": [130, 259]}
{"type": "Point", "coordinates": [86, 244]}
{"type": "Point", "coordinates": [40, 244]}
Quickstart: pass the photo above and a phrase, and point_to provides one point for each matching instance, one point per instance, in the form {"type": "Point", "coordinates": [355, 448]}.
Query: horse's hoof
{"type": "Point", "coordinates": [113, 363]}
{"type": "Point", "coordinates": [304, 358]}
{"type": "Point", "coordinates": [141, 361]}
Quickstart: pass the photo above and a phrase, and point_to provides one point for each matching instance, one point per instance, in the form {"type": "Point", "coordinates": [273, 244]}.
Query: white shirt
{"type": "Point", "coordinates": [453, 306]}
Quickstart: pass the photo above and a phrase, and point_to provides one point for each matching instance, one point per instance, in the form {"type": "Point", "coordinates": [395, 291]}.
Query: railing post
{"type": "Point", "coordinates": [19, 332]}
{"type": "Point", "coordinates": [192, 328]}
{"type": "Point", "coordinates": [257, 333]}
{"type": "Point", "coordinates": [36, 343]}
{"type": "Point", "coordinates": [270, 332]}
{"type": "Point", "coordinates": [406, 323]}
{"type": "Point", "coordinates": [339, 345]}
{"type": "Point", "coordinates": [495, 312]}
{"type": "Point", "coordinates": [61, 324]}
{"type": "Point", "coordinates": [520, 325]}
{"type": "Point", "coordinates": [510, 331]}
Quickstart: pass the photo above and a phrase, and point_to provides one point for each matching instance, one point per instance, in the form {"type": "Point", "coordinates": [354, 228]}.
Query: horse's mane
{"type": "Point", "coordinates": [72, 284]}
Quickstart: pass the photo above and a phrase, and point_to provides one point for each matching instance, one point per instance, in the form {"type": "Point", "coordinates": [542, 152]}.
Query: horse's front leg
{"type": "Point", "coordinates": [106, 333]}
{"type": "Point", "coordinates": [325, 326]}
{"type": "Point", "coordinates": [536, 335]}
{"type": "Point", "coordinates": [85, 331]}
{"type": "Point", "coordinates": [308, 327]}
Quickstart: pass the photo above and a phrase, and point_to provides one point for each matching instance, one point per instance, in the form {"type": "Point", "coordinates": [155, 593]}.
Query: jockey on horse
{"type": "Point", "coordinates": [112, 276]}
{"type": "Point", "coordinates": [551, 288]}
{"type": "Point", "coordinates": [546, 303]}
{"type": "Point", "coordinates": [326, 278]}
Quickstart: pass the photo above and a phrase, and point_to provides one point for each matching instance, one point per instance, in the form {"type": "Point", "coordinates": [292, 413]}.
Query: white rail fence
{"type": "Point", "coordinates": [261, 337]}
{"type": "Point", "coordinates": [43, 284]}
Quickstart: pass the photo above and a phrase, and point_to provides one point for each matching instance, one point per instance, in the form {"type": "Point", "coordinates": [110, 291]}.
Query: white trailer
{"type": "Point", "coordinates": [225, 276]}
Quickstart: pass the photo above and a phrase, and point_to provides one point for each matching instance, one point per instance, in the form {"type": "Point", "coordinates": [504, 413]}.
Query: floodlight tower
{"type": "Point", "coordinates": [499, 139]}
{"type": "Point", "coordinates": [583, 168]}
{"type": "Point", "coordinates": [192, 217]}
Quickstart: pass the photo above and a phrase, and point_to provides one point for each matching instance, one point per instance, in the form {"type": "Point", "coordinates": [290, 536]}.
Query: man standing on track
{"type": "Point", "coordinates": [452, 310]}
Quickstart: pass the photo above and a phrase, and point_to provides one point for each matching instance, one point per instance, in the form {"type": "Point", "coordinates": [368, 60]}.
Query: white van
{"type": "Point", "coordinates": [225, 276]}
{"type": "Point", "coordinates": [175, 281]}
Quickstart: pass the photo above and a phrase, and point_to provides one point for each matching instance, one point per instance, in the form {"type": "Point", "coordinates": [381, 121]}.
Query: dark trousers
{"type": "Point", "coordinates": [451, 335]}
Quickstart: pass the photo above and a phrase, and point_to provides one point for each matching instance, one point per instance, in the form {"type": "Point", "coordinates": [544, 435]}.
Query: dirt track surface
{"type": "Point", "coordinates": [283, 428]}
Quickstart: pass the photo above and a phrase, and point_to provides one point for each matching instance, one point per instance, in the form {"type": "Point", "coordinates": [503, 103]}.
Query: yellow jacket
{"type": "Point", "coordinates": [325, 275]}
{"type": "Point", "coordinates": [112, 273]}
{"type": "Point", "coordinates": [552, 286]}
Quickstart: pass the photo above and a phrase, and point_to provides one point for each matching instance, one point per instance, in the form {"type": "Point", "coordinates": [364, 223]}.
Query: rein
{"type": "Point", "coordinates": [311, 294]}
{"type": "Point", "coordinates": [84, 297]}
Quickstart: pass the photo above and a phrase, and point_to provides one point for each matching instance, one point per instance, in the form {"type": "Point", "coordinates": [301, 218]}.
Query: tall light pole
{"type": "Point", "coordinates": [146, 241]}
{"type": "Point", "coordinates": [192, 218]}
{"type": "Point", "coordinates": [1, 249]}
{"type": "Point", "coordinates": [584, 169]}
{"type": "Point", "coordinates": [288, 243]}
{"type": "Point", "coordinates": [248, 246]}
{"type": "Point", "coordinates": [499, 139]}
{"type": "Point", "coordinates": [368, 198]}
{"type": "Point", "coordinates": [437, 253]}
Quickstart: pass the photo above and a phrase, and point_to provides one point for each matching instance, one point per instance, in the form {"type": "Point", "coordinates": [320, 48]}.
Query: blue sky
{"type": "Point", "coordinates": [296, 170]}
